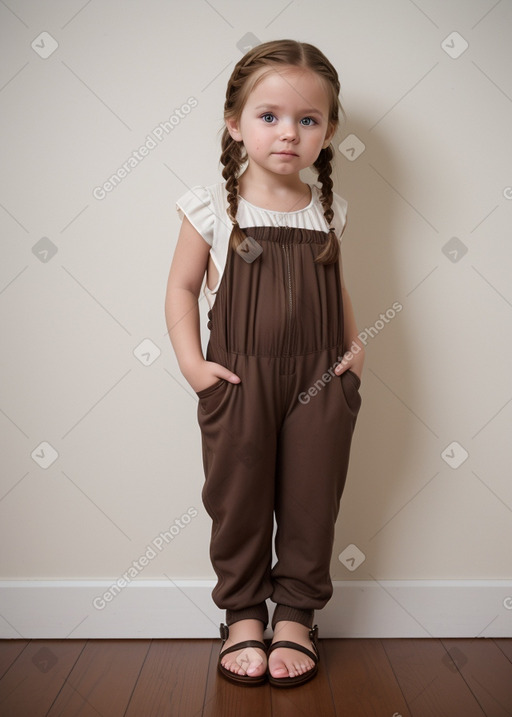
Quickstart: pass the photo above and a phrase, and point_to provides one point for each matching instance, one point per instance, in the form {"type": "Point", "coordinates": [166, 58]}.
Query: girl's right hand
{"type": "Point", "coordinates": [206, 373]}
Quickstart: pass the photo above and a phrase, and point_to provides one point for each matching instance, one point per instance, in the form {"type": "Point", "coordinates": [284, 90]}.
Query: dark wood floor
{"type": "Point", "coordinates": [156, 678]}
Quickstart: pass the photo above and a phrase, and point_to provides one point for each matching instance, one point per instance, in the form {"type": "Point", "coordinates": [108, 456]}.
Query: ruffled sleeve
{"type": "Point", "coordinates": [339, 207]}
{"type": "Point", "coordinates": [197, 206]}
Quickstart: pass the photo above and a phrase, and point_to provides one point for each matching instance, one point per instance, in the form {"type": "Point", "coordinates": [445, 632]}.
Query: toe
{"type": "Point", "coordinates": [280, 672]}
{"type": "Point", "coordinates": [244, 663]}
{"type": "Point", "coordinates": [231, 666]}
{"type": "Point", "coordinates": [255, 669]}
{"type": "Point", "coordinates": [290, 665]}
{"type": "Point", "coordinates": [277, 666]}
{"type": "Point", "coordinates": [226, 664]}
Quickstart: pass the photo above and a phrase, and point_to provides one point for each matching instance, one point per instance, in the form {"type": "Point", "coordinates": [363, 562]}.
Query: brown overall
{"type": "Point", "coordinates": [278, 441]}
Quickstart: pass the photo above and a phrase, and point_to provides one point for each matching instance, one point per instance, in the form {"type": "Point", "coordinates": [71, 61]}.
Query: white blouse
{"type": "Point", "coordinates": [206, 209]}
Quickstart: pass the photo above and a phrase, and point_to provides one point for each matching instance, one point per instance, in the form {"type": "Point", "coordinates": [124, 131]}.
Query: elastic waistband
{"type": "Point", "coordinates": [279, 357]}
{"type": "Point", "coordinates": [289, 235]}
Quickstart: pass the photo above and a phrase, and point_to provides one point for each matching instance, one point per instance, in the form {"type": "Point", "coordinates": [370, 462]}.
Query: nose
{"type": "Point", "coordinates": [288, 131]}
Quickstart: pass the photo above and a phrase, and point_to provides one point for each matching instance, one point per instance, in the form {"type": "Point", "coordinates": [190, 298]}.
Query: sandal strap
{"type": "Point", "coordinates": [241, 645]}
{"type": "Point", "coordinates": [313, 636]}
{"type": "Point", "coordinates": [293, 646]}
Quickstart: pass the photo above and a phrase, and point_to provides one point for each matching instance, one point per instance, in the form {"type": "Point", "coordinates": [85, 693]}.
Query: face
{"type": "Point", "coordinates": [287, 112]}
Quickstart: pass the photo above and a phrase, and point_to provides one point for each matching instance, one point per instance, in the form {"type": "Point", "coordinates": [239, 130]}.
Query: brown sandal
{"type": "Point", "coordinates": [232, 676]}
{"type": "Point", "coordinates": [299, 679]}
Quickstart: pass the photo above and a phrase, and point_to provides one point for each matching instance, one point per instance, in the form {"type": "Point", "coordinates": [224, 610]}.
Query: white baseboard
{"type": "Point", "coordinates": [60, 609]}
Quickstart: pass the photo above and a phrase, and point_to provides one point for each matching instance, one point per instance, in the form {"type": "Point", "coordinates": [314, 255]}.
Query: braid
{"type": "Point", "coordinates": [245, 76]}
{"type": "Point", "coordinates": [323, 165]}
{"type": "Point", "coordinates": [232, 159]}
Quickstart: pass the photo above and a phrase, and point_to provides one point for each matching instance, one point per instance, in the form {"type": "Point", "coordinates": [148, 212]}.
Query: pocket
{"type": "Point", "coordinates": [355, 377]}
{"type": "Point", "coordinates": [210, 397]}
{"type": "Point", "coordinates": [350, 383]}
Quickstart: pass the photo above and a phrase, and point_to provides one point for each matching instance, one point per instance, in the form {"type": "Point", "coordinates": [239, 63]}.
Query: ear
{"type": "Point", "coordinates": [328, 137]}
{"type": "Point", "coordinates": [233, 129]}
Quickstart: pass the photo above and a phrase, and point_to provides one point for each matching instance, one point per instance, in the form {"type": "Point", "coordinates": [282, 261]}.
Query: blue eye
{"type": "Point", "coordinates": [267, 114]}
{"type": "Point", "coordinates": [311, 119]}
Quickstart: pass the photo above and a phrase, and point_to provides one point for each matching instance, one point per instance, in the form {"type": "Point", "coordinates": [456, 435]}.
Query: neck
{"type": "Point", "coordinates": [255, 179]}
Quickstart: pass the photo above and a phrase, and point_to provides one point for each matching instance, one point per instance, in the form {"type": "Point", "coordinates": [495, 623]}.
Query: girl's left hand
{"type": "Point", "coordinates": [351, 361]}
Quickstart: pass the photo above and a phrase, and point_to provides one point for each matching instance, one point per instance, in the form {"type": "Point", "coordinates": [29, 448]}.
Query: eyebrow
{"type": "Point", "coordinates": [308, 110]}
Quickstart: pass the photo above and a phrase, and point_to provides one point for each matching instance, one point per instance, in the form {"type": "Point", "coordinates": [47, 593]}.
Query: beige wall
{"type": "Point", "coordinates": [122, 420]}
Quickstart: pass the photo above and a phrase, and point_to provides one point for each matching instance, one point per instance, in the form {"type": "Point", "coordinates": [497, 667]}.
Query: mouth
{"type": "Point", "coordinates": [287, 154]}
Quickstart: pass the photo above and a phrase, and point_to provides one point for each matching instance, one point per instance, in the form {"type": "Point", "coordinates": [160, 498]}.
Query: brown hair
{"type": "Point", "coordinates": [243, 80]}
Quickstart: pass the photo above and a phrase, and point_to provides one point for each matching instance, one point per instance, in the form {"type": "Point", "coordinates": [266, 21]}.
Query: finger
{"type": "Point", "coordinates": [227, 375]}
{"type": "Point", "coordinates": [342, 367]}
{"type": "Point", "coordinates": [232, 378]}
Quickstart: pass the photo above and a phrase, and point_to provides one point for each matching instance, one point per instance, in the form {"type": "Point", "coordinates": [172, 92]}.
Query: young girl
{"type": "Point", "coordinates": [278, 393]}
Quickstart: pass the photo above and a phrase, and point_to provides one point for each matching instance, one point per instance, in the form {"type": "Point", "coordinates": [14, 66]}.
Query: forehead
{"type": "Point", "coordinates": [289, 86]}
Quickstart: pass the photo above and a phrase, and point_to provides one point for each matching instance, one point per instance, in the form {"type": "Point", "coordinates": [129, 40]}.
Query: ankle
{"type": "Point", "coordinates": [294, 632]}
{"type": "Point", "coordinates": [246, 629]}
{"type": "Point", "coordinates": [291, 624]}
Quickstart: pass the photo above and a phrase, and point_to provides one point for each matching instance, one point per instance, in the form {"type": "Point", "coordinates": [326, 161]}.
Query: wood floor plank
{"type": "Point", "coordinates": [172, 680]}
{"type": "Point", "coordinates": [31, 684]}
{"type": "Point", "coordinates": [432, 687]}
{"type": "Point", "coordinates": [9, 651]}
{"type": "Point", "coordinates": [178, 678]}
{"type": "Point", "coordinates": [505, 645]}
{"type": "Point", "coordinates": [312, 698]}
{"type": "Point", "coordinates": [102, 679]}
{"type": "Point", "coordinates": [486, 670]}
{"type": "Point", "coordinates": [223, 698]}
{"type": "Point", "coordinates": [362, 681]}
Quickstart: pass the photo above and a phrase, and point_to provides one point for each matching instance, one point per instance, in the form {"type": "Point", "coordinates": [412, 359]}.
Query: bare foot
{"type": "Point", "coordinates": [249, 661]}
{"type": "Point", "coordinates": [285, 662]}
